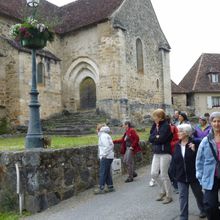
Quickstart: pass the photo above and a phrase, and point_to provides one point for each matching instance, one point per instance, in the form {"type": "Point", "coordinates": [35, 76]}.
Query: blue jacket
{"type": "Point", "coordinates": [206, 163]}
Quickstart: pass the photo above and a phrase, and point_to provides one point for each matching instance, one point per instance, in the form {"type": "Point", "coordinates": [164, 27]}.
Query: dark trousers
{"type": "Point", "coordinates": [211, 201]}
{"type": "Point", "coordinates": [184, 197]}
{"type": "Point", "coordinates": [105, 176]}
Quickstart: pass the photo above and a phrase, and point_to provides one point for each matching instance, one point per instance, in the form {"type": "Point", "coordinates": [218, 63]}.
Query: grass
{"type": "Point", "coordinates": [18, 143]}
{"type": "Point", "coordinates": [12, 215]}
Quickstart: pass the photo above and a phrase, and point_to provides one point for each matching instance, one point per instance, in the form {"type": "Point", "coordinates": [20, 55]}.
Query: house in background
{"type": "Point", "coordinates": [202, 85]}
{"type": "Point", "coordinates": [178, 97]}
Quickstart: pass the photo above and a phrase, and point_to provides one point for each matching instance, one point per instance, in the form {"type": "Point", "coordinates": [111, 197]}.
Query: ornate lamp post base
{"type": "Point", "coordinates": [34, 138]}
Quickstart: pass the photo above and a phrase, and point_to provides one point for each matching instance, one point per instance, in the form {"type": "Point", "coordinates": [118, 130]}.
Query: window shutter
{"type": "Point", "coordinates": [209, 101]}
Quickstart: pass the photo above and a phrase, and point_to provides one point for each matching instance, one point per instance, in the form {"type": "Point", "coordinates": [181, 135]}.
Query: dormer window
{"type": "Point", "coordinates": [214, 78]}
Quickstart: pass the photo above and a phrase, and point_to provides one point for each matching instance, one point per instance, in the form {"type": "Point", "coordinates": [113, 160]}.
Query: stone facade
{"type": "Point", "coordinates": [50, 176]}
{"type": "Point", "coordinates": [106, 53]}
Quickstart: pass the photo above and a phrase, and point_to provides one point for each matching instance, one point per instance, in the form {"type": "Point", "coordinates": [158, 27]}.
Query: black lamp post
{"type": "Point", "coordinates": [34, 138]}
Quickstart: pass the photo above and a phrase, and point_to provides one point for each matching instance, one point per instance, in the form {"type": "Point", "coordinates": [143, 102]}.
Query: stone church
{"type": "Point", "coordinates": [109, 55]}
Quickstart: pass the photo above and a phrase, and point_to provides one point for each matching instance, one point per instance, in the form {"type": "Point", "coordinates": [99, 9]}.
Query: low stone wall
{"type": "Point", "coordinates": [50, 176]}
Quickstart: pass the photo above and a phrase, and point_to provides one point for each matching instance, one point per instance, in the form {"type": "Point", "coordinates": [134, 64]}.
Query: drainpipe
{"type": "Point", "coordinates": [19, 187]}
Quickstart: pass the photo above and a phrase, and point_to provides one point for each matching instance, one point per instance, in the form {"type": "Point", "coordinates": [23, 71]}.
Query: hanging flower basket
{"type": "Point", "coordinates": [33, 43]}
{"type": "Point", "coordinates": [32, 34]}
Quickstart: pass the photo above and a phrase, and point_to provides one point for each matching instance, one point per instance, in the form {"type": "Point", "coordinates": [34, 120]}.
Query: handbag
{"type": "Point", "coordinates": [218, 162]}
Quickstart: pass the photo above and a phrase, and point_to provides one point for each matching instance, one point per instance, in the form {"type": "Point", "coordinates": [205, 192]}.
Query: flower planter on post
{"type": "Point", "coordinates": [34, 43]}
{"type": "Point", "coordinates": [33, 35]}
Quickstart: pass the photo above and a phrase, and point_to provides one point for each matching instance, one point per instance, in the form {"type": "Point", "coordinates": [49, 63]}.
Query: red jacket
{"type": "Point", "coordinates": [131, 133]}
{"type": "Point", "coordinates": [175, 138]}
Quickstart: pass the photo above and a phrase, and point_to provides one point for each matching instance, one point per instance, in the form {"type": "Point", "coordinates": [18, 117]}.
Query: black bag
{"type": "Point", "coordinates": [218, 162]}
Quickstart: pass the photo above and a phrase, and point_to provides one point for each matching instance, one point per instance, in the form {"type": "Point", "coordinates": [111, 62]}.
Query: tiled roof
{"type": "Point", "coordinates": [70, 17]}
{"type": "Point", "coordinates": [85, 12]}
{"type": "Point", "coordinates": [197, 79]}
{"type": "Point", "coordinates": [176, 89]}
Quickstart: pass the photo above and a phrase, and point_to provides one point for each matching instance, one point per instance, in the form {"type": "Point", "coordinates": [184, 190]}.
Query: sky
{"type": "Point", "coordinates": [192, 27]}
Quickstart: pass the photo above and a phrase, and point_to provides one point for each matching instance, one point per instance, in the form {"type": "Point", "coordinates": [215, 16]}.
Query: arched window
{"type": "Point", "coordinates": [158, 84]}
{"type": "Point", "coordinates": [139, 54]}
{"type": "Point", "coordinates": [40, 73]}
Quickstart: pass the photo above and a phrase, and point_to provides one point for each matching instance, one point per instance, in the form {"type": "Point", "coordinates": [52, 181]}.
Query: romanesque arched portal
{"type": "Point", "coordinates": [87, 94]}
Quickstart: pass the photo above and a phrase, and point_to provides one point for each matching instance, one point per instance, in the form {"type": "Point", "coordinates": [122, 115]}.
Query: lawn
{"type": "Point", "coordinates": [18, 143]}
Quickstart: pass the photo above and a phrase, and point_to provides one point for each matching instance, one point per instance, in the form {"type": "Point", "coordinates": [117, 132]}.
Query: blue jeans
{"type": "Point", "coordinates": [105, 176]}
{"type": "Point", "coordinates": [211, 201]}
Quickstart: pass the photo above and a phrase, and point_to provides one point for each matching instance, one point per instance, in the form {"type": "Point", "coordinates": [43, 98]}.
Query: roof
{"type": "Point", "coordinates": [177, 89]}
{"type": "Point", "coordinates": [197, 79]}
{"type": "Point", "coordinates": [70, 17]}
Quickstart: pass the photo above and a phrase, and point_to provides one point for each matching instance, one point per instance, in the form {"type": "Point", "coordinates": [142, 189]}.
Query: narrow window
{"type": "Point", "coordinates": [158, 84]}
{"type": "Point", "coordinates": [139, 54]}
{"type": "Point", "coordinates": [215, 101]}
{"type": "Point", "coordinates": [40, 73]}
{"type": "Point", "coordinates": [214, 78]}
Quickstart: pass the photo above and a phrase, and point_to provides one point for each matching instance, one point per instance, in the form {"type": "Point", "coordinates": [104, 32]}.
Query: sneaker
{"type": "Point", "coordinates": [135, 175]}
{"type": "Point", "coordinates": [99, 191]}
{"type": "Point", "coordinates": [152, 182]}
{"type": "Point", "coordinates": [167, 200]}
{"type": "Point", "coordinates": [202, 215]}
{"type": "Point", "coordinates": [128, 180]}
{"type": "Point", "coordinates": [160, 197]}
{"type": "Point", "coordinates": [110, 190]}
{"type": "Point", "coordinates": [176, 191]}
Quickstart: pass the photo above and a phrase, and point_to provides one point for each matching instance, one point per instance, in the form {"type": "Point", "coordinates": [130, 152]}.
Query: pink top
{"type": "Point", "coordinates": [218, 149]}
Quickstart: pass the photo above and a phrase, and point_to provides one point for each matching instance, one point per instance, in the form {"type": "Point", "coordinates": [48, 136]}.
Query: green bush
{"type": "Point", "coordinates": [4, 126]}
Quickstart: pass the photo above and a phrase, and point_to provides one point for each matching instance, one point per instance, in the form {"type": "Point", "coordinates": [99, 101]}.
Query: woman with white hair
{"type": "Point", "coordinates": [183, 163]}
{"type": "Point", "coordinates": [206, 167]}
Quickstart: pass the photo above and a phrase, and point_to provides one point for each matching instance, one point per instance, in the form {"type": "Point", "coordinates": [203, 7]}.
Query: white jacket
{"type": "Point", "coordinates": [106, 146]}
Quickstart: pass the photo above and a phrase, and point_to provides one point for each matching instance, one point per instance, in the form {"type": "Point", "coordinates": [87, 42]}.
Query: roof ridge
{"type": "Point", "coordinates": [197, 73]}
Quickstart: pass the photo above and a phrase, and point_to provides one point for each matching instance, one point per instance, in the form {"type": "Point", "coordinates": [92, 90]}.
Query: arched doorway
{"type": "Point", "coordinates": [87, 94]}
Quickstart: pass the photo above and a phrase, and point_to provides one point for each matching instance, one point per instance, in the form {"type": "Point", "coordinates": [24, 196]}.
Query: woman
{"type": "Point", "coordinates": [183, 119]}
{"type": "Point", "coordinates": [106, 156]}
{"type": "Point", "coordinates": [201, 130]}
{"type": "Point", "coordinates": [160, 137]}
{"type": "Point", "coordinates": [206, 168]}
{"type": "Point", "coordinates": [129, 147]}
{"type": "Point", "coordinates": [184, 171]}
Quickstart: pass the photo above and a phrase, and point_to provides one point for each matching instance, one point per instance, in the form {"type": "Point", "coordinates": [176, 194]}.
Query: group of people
{"type": "Point", "coordinates": [183, 155]}
{"type": "Point", "coordinates": [187, 156]}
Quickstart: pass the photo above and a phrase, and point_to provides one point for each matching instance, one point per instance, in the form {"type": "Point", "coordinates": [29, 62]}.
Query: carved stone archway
{"type": "Point", "coordinates": [81, 69]}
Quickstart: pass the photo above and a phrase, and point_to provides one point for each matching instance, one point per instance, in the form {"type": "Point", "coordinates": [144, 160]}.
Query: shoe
{"type": "Point", "coordinates": [128, 180]}
{"type": "Point", "coordinates": [202, 215]}
{"type": "Point", "coordinates": [108, 190]}
{"type": "Point", "coordinates": [99, 191]}
{"type": "Point", "coordinates": [176, 191]}
{"type": "Point", "coordinates": [160, 197]}
{"type": "Point", "coordinates": [167, 200]}
{"type": "Point", "coordinates": [152, 182]}
{"type": "Point", "coordinates": [135, 175]}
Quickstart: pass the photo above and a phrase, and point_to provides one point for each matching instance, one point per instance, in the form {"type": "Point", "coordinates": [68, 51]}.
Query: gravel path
{"type": "Point", "coordinates": [131, 201]}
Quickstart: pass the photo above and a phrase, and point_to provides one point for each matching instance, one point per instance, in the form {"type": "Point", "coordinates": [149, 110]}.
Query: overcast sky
{"type": "Point", "coordinates": [192, 27]}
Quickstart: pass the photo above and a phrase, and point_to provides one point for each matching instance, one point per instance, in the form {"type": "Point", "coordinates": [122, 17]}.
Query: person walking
{"type": "Point", "coordinates": [106, 156]}
{"type": "Point", "coordinates": [129, 147]}
{"type": "Point", "coordinates": [160, 137]}
{"type": "Point", "coordinates": [201, 130]}
{"type": "Point", "coordinates": [206, 167]}
{"type": "Point", "coordinates": [183, 163]}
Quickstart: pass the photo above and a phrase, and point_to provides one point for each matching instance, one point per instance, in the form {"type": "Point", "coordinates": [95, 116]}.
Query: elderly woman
{"type": "Point", "coordinates": [201, 130]}
{"type": "Point", "coordinates": [129, 147]}
{"type": "Point", "coordinates": [185, 172]}
{"type": "Point", "coordinates": [160, 137]}
{"type": "Point", "coordinates": [206, 167]}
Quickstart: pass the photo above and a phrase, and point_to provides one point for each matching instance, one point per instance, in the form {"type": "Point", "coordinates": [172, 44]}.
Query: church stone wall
{"type": "Point", "coordinates": [145, 90]}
